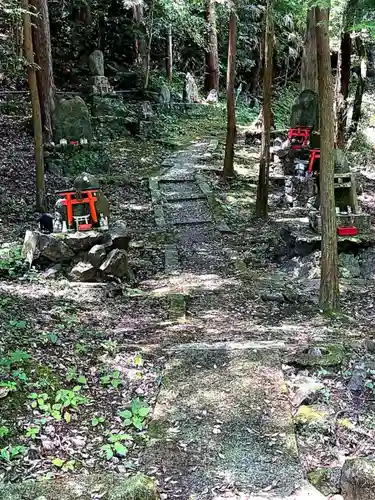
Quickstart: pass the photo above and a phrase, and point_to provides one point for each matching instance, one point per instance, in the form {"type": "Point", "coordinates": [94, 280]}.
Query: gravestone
{"type": "Point", "coordinates": [146, 111]}
{"type": "Point", "coordinates": [96, 63]}
{"type": "Point", "coordinates": [165, 96]}
{"type": "Point", "coordinates": [72, 120]}
{"type": "Point", "coordinates": [191, 93]}
{"type": "Point", "coordinates": [305, 112]}
{"type": "Point", "coordinates": [213, 97]}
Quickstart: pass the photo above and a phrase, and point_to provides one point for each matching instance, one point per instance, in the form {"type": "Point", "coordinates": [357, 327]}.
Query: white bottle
{"type": "Point", "coordinates": [64, 227]}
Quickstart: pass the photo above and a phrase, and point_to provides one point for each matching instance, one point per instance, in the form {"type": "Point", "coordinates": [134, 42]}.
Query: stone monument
{"type": "Point", "coordinates": [99, 84]}
{"type": "Point", "coordinates": [305, 112]}
{"type": "Point", "coordinates": [191, 93]}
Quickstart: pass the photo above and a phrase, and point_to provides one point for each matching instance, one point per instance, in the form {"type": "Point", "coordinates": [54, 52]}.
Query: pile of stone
{"type": "Point", "coordinates": [81, 256]}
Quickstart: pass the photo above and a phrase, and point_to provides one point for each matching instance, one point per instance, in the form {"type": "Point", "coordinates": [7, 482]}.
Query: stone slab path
{"type": "Point", "coordinates": [222, 426]}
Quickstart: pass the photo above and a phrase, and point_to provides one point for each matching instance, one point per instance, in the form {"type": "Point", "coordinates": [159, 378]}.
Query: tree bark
{"type": "Point", "coordinates": [342, 85]}
{"type": "Point", "coordinates": [139, 42]}
{"type": "Point", "coordinates": [361, 84]}
{"type": "Point", "coordinates": [264, 164]}
{"type": "Point", "coordinates": [228, 170]}
{"type": "Point", "coordinates": [212, 57]}
{"type": "Point", "coordinates": [169, 58]}
{"type": "Point", "coordinates": [37, 119]}
{"type": "Point", "coordinates": [43, 58]}
{"type": "Point", "coordinates": [329, 282]}
{"type": "Point", "coordinates": [309, 69]}
{"type": "Point", "coordinates": [148, 54]}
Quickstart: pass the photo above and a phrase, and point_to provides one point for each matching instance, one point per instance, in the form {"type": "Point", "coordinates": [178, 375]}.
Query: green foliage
{"type": "Point", "coordinates": [95, 421]}
{"type": "Point", "coordinates": [111, 379]}
{"type": "Point", "coordinates": [115, 445]}
{"type": "Point", "coordinates": [137, 414]}
{"type": "Point", "coordinates": [10, 452]}
{"type": "Point", "coordinates": [4, 431]}
{"type": "Point", "coordinates": [63, 401]}
{"type": "Point", "coordinates": [32, 431]}
{"type": "Point", "coordinates": [12, 263]}
{"type": "Point", "coordinates": [64, 465]}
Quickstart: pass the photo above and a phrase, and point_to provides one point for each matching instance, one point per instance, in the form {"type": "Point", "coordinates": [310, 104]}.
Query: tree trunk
{"type": "Point", "coordinates": [357, 105]}
{"type": "Point", "coordinates": [309, 76]}
{"type": "Point", "coordinates": [329, 282]}
{"type": "Point", "coordinates": [148, 55]}
{"type": "Point", "coordinates": [228, 170]}
{"type": "Point", "coordinates": [342, 85]}
{"type": "Point", "coordinates": [212, 57]}
{"type": "Point", "coordinates": [43, 58]}
{"type": "Point", "coordinates": [169, 58]}
{"type": "Point", "coordinates": [264, 164]}
{"type": "Point", "coordinates": [139, 42]}
{"type": "Point", "coordinates": [37, 120]}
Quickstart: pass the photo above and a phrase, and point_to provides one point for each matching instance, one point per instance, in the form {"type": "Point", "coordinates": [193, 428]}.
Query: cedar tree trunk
{"type": "Point", "coordinates": [212, 57]}
{"type": "Point", "coordinates": [329, 282]}
{"type": "Point", "coordinates": [228, 170]}
{"type": "Point", "coordinates": [264, 164]}
{"type": "Point", "coordinates": [169, 58]}
{"type": "Point", "coordinates": [309, 75]}
{"type": "Point", "coordinates": [357, 105]}
{"type": "Point", "coordinates": [43, 58]}
{"type": "Point", "coordinates": [37, 120]}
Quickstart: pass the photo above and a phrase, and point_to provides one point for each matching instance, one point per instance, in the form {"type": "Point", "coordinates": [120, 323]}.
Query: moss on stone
{"type": "Point", "coordinates": [326, 479]}
{"type": "Point", "coordinates": [332, 355]}
{"type": "Point", "coordinates": [157, 429]}
{"type": "Point", "coordinates": [308, 415]}
{"type": "Point", "coordinates": [139, 487]}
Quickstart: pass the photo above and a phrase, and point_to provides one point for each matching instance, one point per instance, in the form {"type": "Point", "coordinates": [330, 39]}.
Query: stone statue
{"type": "Point", "coordinates": [305, 113]}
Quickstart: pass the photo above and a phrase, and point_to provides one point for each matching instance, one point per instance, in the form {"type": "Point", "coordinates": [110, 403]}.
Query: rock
{"type": "Point", "coordinates": [102, 205]}
{"type": "Point", "coordinates": [358, 479]}
{"type": "Point", "coordinates": [83, 271]}
{"type": "Point", "coordinates": [100, 86]}
{"type": "Point", "coordinates": [306, 389]}
{"type": "Point", "coordinates": [191, 93]}
{"type": "Point", "coordinates": [165, 96]}
{"type": "Point", "coordinates": [213, 97]}
{"type": "Point", "coordinates": [72, 120]}
{"type": "Point", "coordinates": [357, 381]}
{"type": "Point", "coordinates": [30, 249]}
{"type": "Point", "coordinates": [326, 479]}
{"type": "Point", "coordinates": [119, 236]}
{"type": "Point", "coordinates": [96, 255]}
{"type": "Point", "coordinates": [52, 271]}
{"type": "Point", "coordinates": [116, 263]}
{"type": "Point", "coordinates": [109, 106]}
{"type": "Point", "coordinates": [83, 240]}
{"type": "Point", "coordinates": [305, 112]}
{"type": "Point", "coordinates": [370, 345]}
{"type": "Point", "coordinates": [335, 497]}
{"type": "Point", "coordinates": [96, 63]}
{"type": "Point", "coordinates": [367, 263]}
{"type": "Point", "coordinates": [349, 266]}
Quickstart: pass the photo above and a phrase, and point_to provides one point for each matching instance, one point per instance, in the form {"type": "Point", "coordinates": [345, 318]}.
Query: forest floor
{"type": "Point", "coordinates": [198, 286]}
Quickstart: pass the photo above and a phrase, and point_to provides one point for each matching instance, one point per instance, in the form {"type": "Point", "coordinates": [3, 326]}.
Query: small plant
{"type": "Point", "coordinates": [12, 452]}
{"type": "Point", "coordinates": [12, 263]}
{"type": "Point", "coordinates": [20, 375]}
{"type": "Point", "coordinates": [32, 431]}
{"type": "Point", "coordinates": [111, 346]}
{"type": "Point", "coordinates": [50, 337]}
{"type": "Point", "coordinates": [137, 414]}
{"type": "Point", "coordinates": [17, 325]}
{"type": "Point", "coordinates": [65, 399]}
{"type": "Point", "coordinates": [138, 360]}
{"type": "Point", "coordinates": [10, 386]}
{"type": "Point", "coordinates": [80, 348]}
{"type": "Point", "coordinates": [72, 375]}
{"type": "Point", "coordinates": [14, 358]}
{"type": "Point", "coordinates": [4, 431]}
{"type": "Point", "coordinates": [64, 465]}
{"type": "Point", "coordinates": [97, 420]}
{"type": "Point", "coordinates": [112, 379]}
{"type": "Point", "coordinates": [115, 445]}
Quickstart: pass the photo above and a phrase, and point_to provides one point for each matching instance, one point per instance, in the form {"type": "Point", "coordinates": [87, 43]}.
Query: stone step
{"type": "Point", "coordinates": [223, 418]}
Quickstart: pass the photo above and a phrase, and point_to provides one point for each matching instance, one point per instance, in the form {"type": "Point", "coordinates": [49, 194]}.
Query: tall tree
{"type": "Point", "coordinates": [228, 170]}
{"type": "Point", "coordinates": [37, 119]}
{"type": "Point", "coordinates": [43, 58]}
{"type": "Point", "coordinates": [309, 77]}
{"type": "Point", "coordinates": [343, 72]}
{"type": "Point", "coordinates": [212, 56]}
{"type": "Point", "coordinates": [329, 282]}
{"type": "Point", "coordinates": [169, 51]}
{"type": "Point", "coordinates": [264, 164]}
{"type": "Point", "coordinates": [361, 83]}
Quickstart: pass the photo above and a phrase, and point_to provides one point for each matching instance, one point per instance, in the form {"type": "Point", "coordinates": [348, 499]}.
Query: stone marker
{"type": "Point", "coordinates": [96, 63]}
{"type": "Point", "coordinates": [191, 93]}
{"type": "Point", "coordinates": [72, 120]}
{"type": "Point", "coordinates": [165, 96]}
{"type": "Point", "coordinates": [83, 271]}
{"type": "Point", "coordinates": [146, 110]}
{"type": "Point", "coordinates": [116, 263]}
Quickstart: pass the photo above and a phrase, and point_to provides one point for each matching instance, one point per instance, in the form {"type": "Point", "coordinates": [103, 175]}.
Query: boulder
{"type": "Point", "coordinates": [116, 263]}
{"type": "Point", "coordinates": [165, 95]}
{"type": "Point", "coordinates": [72, 120]}
{"type": "Point", "coordinates": [83, 271]}
{"type": "Point", "coordinates": [108, 106]}
{"type": "Point", "coordinates": [83, 240]}
{"type": "Point", "coordinates": [96, 63]}
{"type": "Point", "coordinates": [358, 479]}
{"type": "Point", "coordinates": [96, 255]}
{"type": "Point", "coordinates": [349, 266]}
{"type": "Point", "coordinates": [326, 479]}
{"type": "Point", "coordinates": [118, 236]}
{"type": "Point", "coordinates": [38, 245]}
{"type": "Point", "coordinates": [367, 263]}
